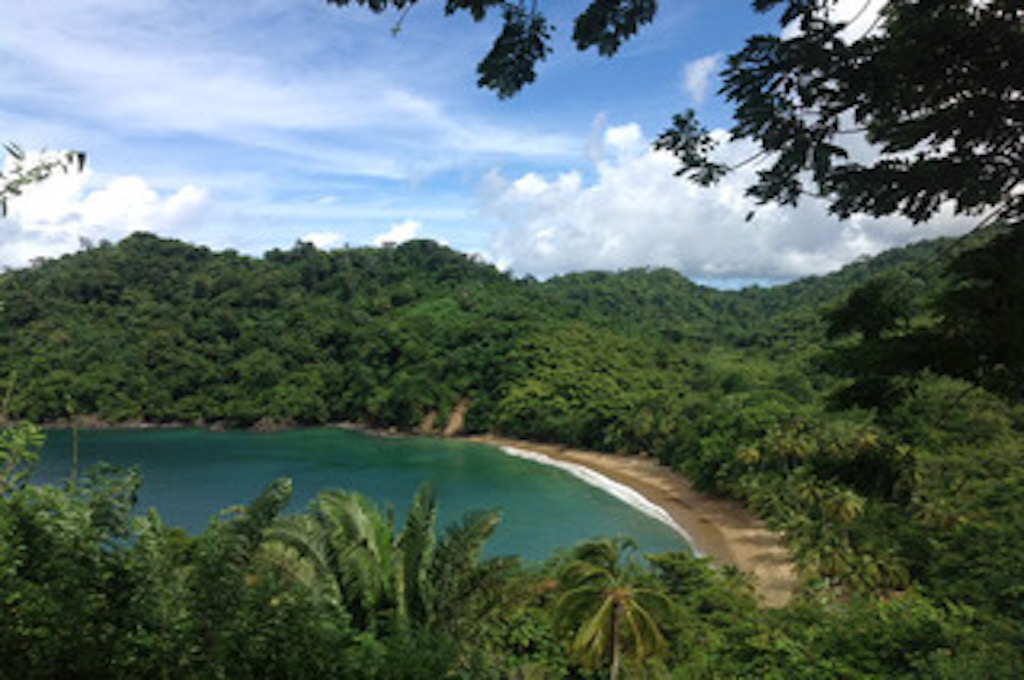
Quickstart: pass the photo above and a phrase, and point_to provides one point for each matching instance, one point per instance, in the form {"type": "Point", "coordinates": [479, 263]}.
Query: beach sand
{"type": "Point", "coordinates": [719, 528]}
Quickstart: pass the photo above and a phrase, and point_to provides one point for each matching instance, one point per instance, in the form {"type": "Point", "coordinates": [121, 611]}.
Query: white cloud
{"type": "Point", "coordinates": [302, 92]}
{"type": "Point", "coordinates": [698, 74]}
{"type": "Point", "coordinates": [53, 217]}
{"type": "Point", "coordinates": [399, 233]}
{"type": "Point", "coordinates": [324, 239]}
{"type": "Point", "coordinates": [636, 213]}
{"type": "Point", "coordinates": [862, 17]}
{"type": "Point", "coordinates": [305, 120]}
{"type": "Point", "coordinates": [624, 140]}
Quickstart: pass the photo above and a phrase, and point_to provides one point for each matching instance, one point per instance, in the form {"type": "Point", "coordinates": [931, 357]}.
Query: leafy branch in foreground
{"type": "Point", "coordinates": [932, 86]}
{"type": "Point", "coordinates": [525, 37]}
{"type": "Point", "coordinates": [23, 169]}
{"type": "Point", "coordinates": [19, 451]}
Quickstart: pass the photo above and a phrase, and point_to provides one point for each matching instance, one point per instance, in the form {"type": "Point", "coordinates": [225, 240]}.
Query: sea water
{"type": "Point", "coordinates": [191, 475]}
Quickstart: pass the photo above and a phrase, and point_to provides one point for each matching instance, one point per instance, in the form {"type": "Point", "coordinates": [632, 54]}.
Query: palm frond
{"type": "Point", "coordinates": [417, 543]}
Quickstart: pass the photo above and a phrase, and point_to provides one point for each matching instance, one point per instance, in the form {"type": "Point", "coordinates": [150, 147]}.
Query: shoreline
{"type": "Point", "coordinates": [617, 490]}
{"type": "Point", "coordinates": [718, 528]}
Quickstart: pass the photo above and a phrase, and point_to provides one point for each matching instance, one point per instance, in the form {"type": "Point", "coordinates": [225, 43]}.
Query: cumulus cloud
{"type": "Point", "coordinates": [698, 75]}
{"type": "Point", "coordinates": [633, 212]}
{"type": "Point", "coordinates": [324, 239]}
{"type": "Point", "coordinates": [55, 216]}
{"type": "Point", "coordinates": [399, 233]}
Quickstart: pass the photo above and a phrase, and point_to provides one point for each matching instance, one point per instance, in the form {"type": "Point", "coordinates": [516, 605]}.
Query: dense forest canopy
{"type": "Point", "coordinates": [896, 485]}
{"type": "Point", "coordinates": [158, 330]}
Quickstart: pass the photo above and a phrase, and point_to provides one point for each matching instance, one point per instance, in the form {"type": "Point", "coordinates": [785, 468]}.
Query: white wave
{"type": "Point", "coordinates": [626, 494]}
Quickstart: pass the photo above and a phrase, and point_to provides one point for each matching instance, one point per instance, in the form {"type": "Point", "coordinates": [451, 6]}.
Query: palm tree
{"type": "Point", "coordinates": [606, 607]}
{"type": "Point", "coordinates": [417, 544]}
{"type": "Point", "coordinates": [410, 576]}
{"type": "Point", "coordinates": [352, 547]}
{"type": "Point", "coordinates": [464, 588]}
{"type": "Point", "coordinates": [224, 560]}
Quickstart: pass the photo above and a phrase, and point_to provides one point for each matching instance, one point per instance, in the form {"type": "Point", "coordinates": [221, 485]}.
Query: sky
{"type": "Point", "coordinates": [251, 126]}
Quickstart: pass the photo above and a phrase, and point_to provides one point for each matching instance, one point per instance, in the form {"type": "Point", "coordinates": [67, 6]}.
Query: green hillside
{"type": "Point", "coordinates": [157, 330]}
{"type": "Point", "coordinates": [863, 414]}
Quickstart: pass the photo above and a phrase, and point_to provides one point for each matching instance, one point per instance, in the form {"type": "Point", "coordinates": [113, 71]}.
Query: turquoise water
{"type": "Point", "coordinates": [191, 475]}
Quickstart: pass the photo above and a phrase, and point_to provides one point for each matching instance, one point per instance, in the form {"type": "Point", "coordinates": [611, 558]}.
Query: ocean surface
{"type": "Point", "coordinates": [191, 475]}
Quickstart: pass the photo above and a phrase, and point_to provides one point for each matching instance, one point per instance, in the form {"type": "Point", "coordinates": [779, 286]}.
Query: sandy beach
{"type": "Point", "coordinates": [721, 529]}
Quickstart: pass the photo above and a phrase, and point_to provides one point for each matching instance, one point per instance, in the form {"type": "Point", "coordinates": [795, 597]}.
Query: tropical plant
{"type": "Point", "coordinates": [353, 549]}
{"type": "Point", "coordinates": [19, 450]}
{"type": "Point", "coordinates": [465, 590]}
{"type": "Point", "coordinates": [405, 578]}
{"type": "Point", "coordinates": [225, 566]}
{"type": "Point", "coordinates": [59, 563]}
{"type": "Point", "coordinates": [610, 612]}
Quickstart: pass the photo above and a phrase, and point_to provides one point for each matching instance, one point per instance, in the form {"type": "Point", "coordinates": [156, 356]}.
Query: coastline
{"type": "Point", "coordinates": [720, 529]}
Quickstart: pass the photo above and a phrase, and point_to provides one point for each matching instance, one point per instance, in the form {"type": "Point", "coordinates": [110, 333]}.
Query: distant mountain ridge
{"type": "Point", "coordinates": [156, 329]}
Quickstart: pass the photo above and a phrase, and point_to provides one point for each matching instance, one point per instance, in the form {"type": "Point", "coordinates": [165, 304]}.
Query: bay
{"type": "Point", "coordinates": [191, 475]}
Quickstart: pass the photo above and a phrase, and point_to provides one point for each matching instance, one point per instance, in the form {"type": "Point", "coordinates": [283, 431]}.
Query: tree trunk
{"type": "Point", "coordinates": [613, 672]}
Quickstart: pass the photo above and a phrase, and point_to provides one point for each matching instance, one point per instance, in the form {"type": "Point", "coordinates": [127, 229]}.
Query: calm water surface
{"type": "Point", "coordinates": [191, 475]}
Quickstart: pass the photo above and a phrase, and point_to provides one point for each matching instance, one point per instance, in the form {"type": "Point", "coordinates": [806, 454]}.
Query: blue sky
{"type": "Point", "coordinates": [253, 125]}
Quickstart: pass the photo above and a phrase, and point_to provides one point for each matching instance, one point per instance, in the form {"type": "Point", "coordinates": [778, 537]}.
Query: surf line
{"type": "Point", "coordinates": [617, 490]}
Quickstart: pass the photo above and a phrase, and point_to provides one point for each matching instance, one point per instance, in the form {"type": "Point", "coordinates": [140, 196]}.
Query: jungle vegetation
{"type": "Point", "coordinates": [843, 409]}
{"type": "Point", "coordinates": [873, 416]}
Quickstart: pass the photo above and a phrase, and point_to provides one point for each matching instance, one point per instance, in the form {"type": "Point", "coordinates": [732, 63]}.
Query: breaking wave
{"type": "Point", "coordinates": [626, 494]}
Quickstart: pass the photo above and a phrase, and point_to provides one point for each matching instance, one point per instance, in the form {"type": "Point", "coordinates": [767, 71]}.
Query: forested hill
{"type": "Point", "coordinates": [868, 414]}
{"type": "Point", "coordinates": [157, 330]}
